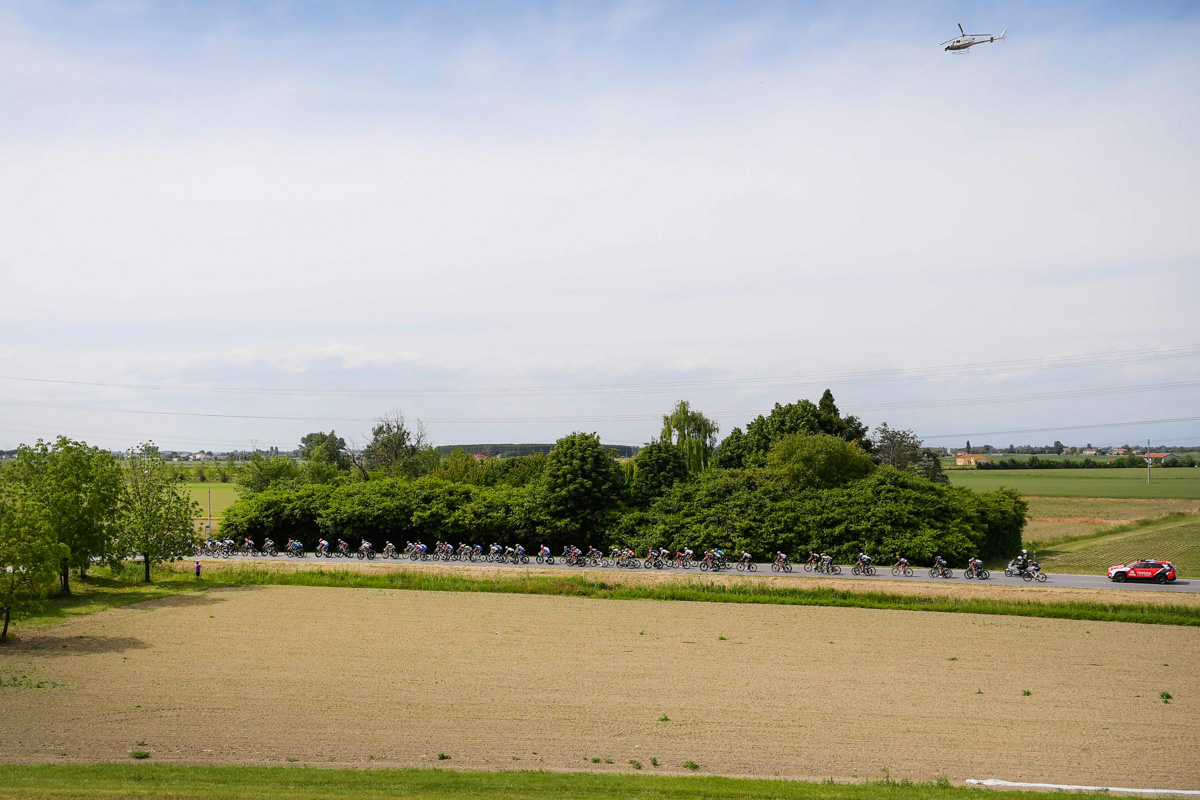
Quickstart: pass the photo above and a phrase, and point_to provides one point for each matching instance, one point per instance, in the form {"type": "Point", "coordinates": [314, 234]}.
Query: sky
{"type": "Point", "coordinates": [226, 224]}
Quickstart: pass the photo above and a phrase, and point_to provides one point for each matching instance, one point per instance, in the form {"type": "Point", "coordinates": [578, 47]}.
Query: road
{"type": "Point", "coordinates": [884, 574]}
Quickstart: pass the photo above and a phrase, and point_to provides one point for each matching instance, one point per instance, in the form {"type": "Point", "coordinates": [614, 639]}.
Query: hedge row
{"type": "Point", "coordinates": [884, 514]}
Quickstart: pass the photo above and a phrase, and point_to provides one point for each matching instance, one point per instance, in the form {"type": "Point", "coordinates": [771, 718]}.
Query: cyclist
{"type": "Point", "coordinates": [543, 551]}
{"type": "Point", "coordinates": [323, 547]}
{"type": "Point", "coordinates": [343, 546]}
{"type": "Point", "coordinates": [365, 547]}
{"type": "Point", "coordinates": [746, 557]}
{"type": "Point", "coordinates": [520, 550]}
{"type": "Point", "coordinates": [939, 564]}
{"type": "Point", "coordinates": [268, 544]}
{"type": "Point", "coordinates": [814, 558]}
{"type": "Point", "coordinates": [826, 562]}
{"type": "Point", "coordinates": [864, 561]}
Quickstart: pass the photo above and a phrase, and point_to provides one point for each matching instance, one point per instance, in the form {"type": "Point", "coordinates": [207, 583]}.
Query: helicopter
{"type": "Point", "coordinates": [960, 43]}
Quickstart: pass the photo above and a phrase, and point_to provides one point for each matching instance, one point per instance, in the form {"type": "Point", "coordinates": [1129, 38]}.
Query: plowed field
{"type": "Point", "coordinates": [391, 678]}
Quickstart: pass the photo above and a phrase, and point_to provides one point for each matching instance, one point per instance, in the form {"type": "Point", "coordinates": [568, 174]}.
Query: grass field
{"type": "Point", "coordinates": [370, 678]}
{"type": "Point", "coordinates": [1052, 519]}
{"type": "Point", "coordinates": [223, 496]}
{"type": "Point", "coordinates": [1131, 483]}
{"type": "Point", "coordinates": [112, 781]}
{"type": "Point", "coordinates": [1176, 540]}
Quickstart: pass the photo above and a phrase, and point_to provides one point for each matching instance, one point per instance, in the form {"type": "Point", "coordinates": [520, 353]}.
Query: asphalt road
{"type": "Point", "coordinates": [921, 574]}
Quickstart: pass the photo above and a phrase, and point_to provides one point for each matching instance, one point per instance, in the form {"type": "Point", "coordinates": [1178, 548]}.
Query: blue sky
{"type": "Point", "coordinates": [410, 199]}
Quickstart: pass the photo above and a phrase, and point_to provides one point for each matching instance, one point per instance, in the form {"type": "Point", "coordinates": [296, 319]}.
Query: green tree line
{"type": "Point", "coordinates": [801, 477]}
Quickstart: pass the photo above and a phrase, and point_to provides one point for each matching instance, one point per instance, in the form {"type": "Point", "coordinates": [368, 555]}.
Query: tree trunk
{"type": "Point", "coordinates": [146, 558]}
{"type": "Point", "coordinates": [4, 633]}
{"type": "Point", "coordinates": [65, 577]}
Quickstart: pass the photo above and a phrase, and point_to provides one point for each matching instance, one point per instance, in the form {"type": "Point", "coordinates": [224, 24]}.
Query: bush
{"type": "Point", "coordinates": [887, 513]}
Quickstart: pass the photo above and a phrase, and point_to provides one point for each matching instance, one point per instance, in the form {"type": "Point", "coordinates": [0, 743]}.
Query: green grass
{"type": "Point", "coordinates": [223, 496]}
{"type": "Point", "coordinates": [1167, 483]}
{"type": "Point", "coordinates": [756, 592]}
{"type": "Point", "coordinates": [122, 781]}
{"type": "Point", "coordinates": [103, 590]}
{"type": "Point", "coordinates": [100, 592]}
{"type": "Point", "coordinates": [1176, 539]}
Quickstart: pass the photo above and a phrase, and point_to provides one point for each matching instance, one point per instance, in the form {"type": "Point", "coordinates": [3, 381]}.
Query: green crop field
{"type": "Point", "coordinates": [949, 461]}
{"type": "Point", "coordinates": [1176, 540]}
{"type": "Point", "coordinates": [1182, 483]}
{"type": "Point", "coordinates": [223, 496]}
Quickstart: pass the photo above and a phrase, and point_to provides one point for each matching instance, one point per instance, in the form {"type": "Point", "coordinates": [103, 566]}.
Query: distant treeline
{"type": "Point", "coordinates": [517, 450]}
{"type": "Point", "coordinates": [1033, 462]}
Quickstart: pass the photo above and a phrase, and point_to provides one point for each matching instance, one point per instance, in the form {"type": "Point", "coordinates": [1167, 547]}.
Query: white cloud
{"type": "Point", "coordinates": [853, 208]}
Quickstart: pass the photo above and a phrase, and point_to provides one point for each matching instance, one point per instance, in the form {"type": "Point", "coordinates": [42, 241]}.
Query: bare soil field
{"type": "Point", "coordinates": [369, 677]}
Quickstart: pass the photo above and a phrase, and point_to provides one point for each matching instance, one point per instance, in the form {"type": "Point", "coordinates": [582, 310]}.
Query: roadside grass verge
{"type": "Point", "coordinates": [711, 592]}
{"type": "Point", "coordinates": [217, 783]}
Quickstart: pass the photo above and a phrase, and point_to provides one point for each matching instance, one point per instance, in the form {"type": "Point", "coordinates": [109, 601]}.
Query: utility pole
{"type": "Point", "coordinates": [1148, 461]}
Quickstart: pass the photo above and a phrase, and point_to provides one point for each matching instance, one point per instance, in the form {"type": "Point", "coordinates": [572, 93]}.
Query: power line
{"type": "Point", "coordinates": [1065, 428]}
{"type": "Point", "coordinates": [907, 405]}
{"type": "Point", "coordinates": [714, 384]}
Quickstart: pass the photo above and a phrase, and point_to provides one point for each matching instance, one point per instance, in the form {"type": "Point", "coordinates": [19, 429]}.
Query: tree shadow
{"type": "Point", "coordinates": [59, 646]}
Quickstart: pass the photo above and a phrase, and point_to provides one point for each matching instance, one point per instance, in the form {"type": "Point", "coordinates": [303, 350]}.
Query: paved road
{"type": "Point", "coordinates": [884, 574]}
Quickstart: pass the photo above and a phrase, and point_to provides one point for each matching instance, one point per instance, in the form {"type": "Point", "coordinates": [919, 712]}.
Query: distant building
{"type": "Point", "coordinates": [1118, 451]}
{"type": "Point", "coordinates": [970, 459]}
{"type": "Point", "coordinates": [480, 457]}
{"type": "Point", "coordinates": [1161, 458]}
{"type": "Point", "coordinates": [1089, 452]}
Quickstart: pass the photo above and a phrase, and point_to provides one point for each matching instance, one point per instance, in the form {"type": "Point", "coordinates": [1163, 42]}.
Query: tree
{"type": "Point", "coordinates": [395, 448]}
{"type": "Point", "coordinates": [261, 472]}
{"type": "Point", "coordinates": [580, 486]}
{"type": "Point", "coordinates": [802, 417]}
{"type": "Point", "coordinates": [657, 467]}
{"type": "Point", "coordinates": [731, 454]}
{"type": "Point", "coordinates": [29, 554]}
{"type": "Point", "coordinates": [329, 445]}
{"type": "Point", "coordinates": [929, 466]}
{"type": "Point", "coordinates": [156, 519]}
{"type": "Point", "coordinates": [896, 448]}
{"type": "Point", "coordinates": [693, 433]}
{"type": "Point", "coordinates": [818, 462]}
{"type": "Point", "coordinates": [78, 488]}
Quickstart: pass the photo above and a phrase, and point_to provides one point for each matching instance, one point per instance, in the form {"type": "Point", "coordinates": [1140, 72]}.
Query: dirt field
{"type": "Point", "coordinates": [388, 678]}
